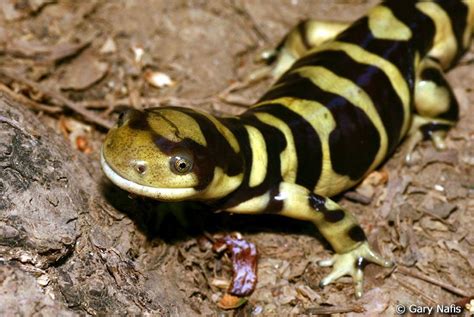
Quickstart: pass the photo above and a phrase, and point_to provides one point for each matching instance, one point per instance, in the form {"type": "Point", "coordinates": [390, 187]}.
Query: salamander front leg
{"type": "Point", "coordinates": [426, 129]}
{"type": "Point", "coordinates": [437, 109]}
{"type": "Point", "coordinates": [338, 226]}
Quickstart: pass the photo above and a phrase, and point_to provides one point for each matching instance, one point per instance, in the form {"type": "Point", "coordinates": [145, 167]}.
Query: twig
{"type": "Point", "coordinates": [322, 310]}
{"type": "Point", "coordinates": [14, 124]}
{"type": "Point", "coordinates": [434, 281]}
{"type": "Point", "coordinates": [177, 101]}
{"type": "Point", "coordinates": [102, 104]}
{"type": "Point", "coordinates": [393, 189]}
{"type": "Point", "coordinates": [36, 106]}
{"type": "Point", "coordinates": [242, 11]}
{"type": "Point", "coordinates": [357, 197]}
{"type": "Point", "coordinates": [133, 93]}
{"type": "Point", "coordinates": [415, 290]}
{"type": "Point", "coordinates": [450, 226]}
{"type": "Point", "coordinates": [67, 103]}
{"type": "Point", "coordinates": [224, 96]}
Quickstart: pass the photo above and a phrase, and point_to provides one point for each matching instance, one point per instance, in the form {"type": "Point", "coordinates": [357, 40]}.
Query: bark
{"type": "Point", "coordinates": [64, 249]}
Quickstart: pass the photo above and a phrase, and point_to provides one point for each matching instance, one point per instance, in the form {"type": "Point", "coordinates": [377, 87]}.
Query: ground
{"type": "Point", "coordinates": [75, 62]}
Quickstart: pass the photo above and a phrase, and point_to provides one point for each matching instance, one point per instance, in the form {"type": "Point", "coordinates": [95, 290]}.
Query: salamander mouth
{"type": "Point", "coordinates": [163, 194]}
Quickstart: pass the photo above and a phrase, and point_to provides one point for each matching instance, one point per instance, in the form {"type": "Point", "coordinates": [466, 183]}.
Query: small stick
{"type": "Point", "coordinates": [355, 196]}
{"type": "Point", "coordinates": [415, 290]}
{"type": "Point", "coordinates": [242, 11]}
{"type": "Point", "coordinates": [445, 222]}
{"type": "Point", "coordinates": [67, 103]}
{"type": "Point", "coordinates": [321, 310]}
{"type": "Point", "coordinates": [221, 97]}
{"type": "Point", "coordinates": [103, 104]}
{"type": "Point", "coordinates": [28, 102]}
{"type": "Point", "coordinates": [434, 281]}
{"type": "Point", "coordinates": [14, 124]}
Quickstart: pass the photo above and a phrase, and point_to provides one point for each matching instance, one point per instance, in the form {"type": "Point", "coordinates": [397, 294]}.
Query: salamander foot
{"type": "Point", "coordinates": [350, 263]}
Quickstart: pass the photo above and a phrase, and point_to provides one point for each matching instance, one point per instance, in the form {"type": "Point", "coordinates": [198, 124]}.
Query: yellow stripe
{"type": "Point", "coordinates": [399, 84]}
{"type": "Point", "coordinates": [162, 123]}
{"type": "Point", "coordinates": [288, 158]}
{"type": "Point", "coordinates": [259, 156]}
{"type": "Point", "coordinates": [328, 81]}
{"type": "Point", "coordinates": [444, 46]}
{"type": "Point", "coordinates": [431, 99]}
{"type": "Point", "coordinates": [470, 23]}
{"type": "Point", "coordinates": [221, 184]}
{"type": "Point", "coordinates": [322, 31]}
{"type": "Point", "coordinates": [253, 205]}
{"type": "Point", "coordinates": [384, 25]}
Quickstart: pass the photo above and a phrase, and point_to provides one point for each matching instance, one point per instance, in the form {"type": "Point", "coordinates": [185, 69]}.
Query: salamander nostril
{"type": "Point", "coordinates": [140, 168]}
{"type": "Point", "coordinates": [121, 119]}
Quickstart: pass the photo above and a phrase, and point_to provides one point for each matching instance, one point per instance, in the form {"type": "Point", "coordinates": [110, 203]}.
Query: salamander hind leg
{"type": "Point", "coordinates": [351, 263]}
{"type": "Point", "coordinates": [299, 40]}
{"type": "Point", "coordinates": [437, 109]}
{"type": "Point", "coordinates": [337, 226]}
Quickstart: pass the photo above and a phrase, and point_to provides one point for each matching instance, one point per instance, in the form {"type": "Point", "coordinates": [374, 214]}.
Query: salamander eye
{"type": "Point", "coordinates": [181, 164]}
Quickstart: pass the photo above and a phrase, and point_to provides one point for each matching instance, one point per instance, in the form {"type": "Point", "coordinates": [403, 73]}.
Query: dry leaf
{"type": "Point", "coordinates": [244, 263]}
{"type": "Point", "coordinates": [83, 72]}
{"type": "Point", "coordinates": [231, 302]}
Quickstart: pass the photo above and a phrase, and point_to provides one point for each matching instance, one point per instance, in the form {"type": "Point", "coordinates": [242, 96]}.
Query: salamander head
{"type": "Point", "coordinates": [153, 153]}
{"type": "Point", "coordinates": [159, 153]}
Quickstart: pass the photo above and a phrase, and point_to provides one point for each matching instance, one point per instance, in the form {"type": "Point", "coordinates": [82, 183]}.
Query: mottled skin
{"type": "Point", "coordinates": [346, 97]}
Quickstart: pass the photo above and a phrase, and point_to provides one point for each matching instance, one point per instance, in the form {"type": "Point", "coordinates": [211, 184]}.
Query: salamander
{"type": "Point", "coordinates": [347, 94]}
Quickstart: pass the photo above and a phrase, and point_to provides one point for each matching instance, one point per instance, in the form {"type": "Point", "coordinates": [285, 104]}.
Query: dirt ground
{"type": "Point", "coordinates": [61, 58]}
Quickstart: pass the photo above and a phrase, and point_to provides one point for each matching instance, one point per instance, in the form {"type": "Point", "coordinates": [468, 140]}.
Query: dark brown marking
{"type": "Point", "coordinates": [422, 27]}
{"type": "Point", "coordinates": [372, 80]}
{"type": "Point", "coordinates": [316, 201]}
{"type": "Point", "coordinates": [121, 118]}
{"type": "Point", "coordinates": [319, 204]}
{"type": "Point", "coordinates": [275, 204]}
{"type": "Point", "coordinates": [303, 33]}
{"type": "Point", "coordinates": [307, 143]}
{"type": "Point", "coordinates": [399, 53]}
{"type": "Point", "coordinates": [357, 234]}
{"type": "Point", "coordinates": [333, 215]}
{"type": "Point", "coordinates": [458, 14]}
{"type": "Point", "coordinates": [429, 128]}
{"type": "Point", "coordinates": [275, 144]}
{"type": "Point", "coordinates": [137, 120]}
{"type": "Point", "coordinates": [360, 263]}
{"type": "Point", "coordinates": [354, 142]}
{"type": "Point", "coordinates": [434, 75]}
{"type": "Point", "coordinates": [218, 151]}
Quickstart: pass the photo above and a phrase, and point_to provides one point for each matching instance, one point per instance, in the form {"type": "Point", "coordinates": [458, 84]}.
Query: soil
{"type": "Point", "coordinates": [74, 63]}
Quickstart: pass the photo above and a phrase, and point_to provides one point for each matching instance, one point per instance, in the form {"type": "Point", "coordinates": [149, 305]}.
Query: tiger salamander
{"type": "Point", "coordinates": [347, 95]}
